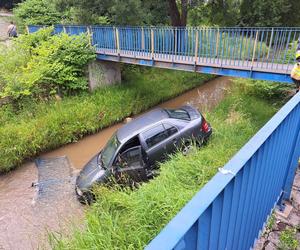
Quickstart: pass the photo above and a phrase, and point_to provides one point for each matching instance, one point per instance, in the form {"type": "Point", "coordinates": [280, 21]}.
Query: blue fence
{"type": "Point", "coordinates": [232, 208]}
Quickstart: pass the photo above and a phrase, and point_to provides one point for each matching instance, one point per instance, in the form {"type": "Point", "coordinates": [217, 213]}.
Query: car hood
{"type": "Point", "coordinates": [91, 173]}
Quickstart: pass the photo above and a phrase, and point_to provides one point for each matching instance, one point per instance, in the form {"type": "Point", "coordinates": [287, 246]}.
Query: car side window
{"type": "Point", "coordinates": [170, 129]}
{"type": "Point", "coordinates": [155, 135]}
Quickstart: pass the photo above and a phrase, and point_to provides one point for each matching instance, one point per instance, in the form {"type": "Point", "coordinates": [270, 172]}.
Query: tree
{"type": "Point", "coordinates": [127, 12]}
{"type": "Point", "coordinates": [156, 12]}
{"type": "Point", "coordinates": [224, 13]}
{"type": "Point", "coordinates": [264, 13]}
{"type": "Point", "coordinates": [177, 18]}
{"type": "Point", "coordinates": [84, 11]}
{"type": "Point", "coordinates": [39, 12]}
{"type": "Point", "coordinates": [118, 12]}
{"type": "Point", "coordinates": [291, 18]}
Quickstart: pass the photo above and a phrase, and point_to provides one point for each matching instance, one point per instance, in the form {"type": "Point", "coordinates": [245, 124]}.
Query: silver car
{"type": "Point", "coordinates": [135, 148]}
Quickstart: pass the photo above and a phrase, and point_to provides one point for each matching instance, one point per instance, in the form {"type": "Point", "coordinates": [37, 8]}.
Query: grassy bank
{"type": "Point", "coordinates": [130, 219]}
{"type": "Point", "coordinates": [40, 126]}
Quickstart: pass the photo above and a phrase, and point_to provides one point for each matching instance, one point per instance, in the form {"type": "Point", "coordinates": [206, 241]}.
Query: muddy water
{"type": "Point", "coordinates": [24, 225]}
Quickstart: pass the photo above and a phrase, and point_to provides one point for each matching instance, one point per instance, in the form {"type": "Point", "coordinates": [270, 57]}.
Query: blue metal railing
{"type": "Point", "coordinates": [267, 46]}
{"type": "Point", "coordinates": [232, 208]}
{"type": "Point", "coordinates": [224, 51]}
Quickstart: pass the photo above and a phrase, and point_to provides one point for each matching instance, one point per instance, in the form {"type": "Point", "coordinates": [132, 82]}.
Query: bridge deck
{"type": "Point", "coordinates": [216, 62]}
{"type": "Point", "coordinates": [219, 66]}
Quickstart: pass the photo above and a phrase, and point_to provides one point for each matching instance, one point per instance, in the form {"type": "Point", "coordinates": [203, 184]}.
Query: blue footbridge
{"type": "Point", "coordinates": [258, 53]}
{"type": "Point", "coordinates": [231, 210]}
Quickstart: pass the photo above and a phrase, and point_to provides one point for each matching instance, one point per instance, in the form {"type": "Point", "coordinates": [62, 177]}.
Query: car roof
{"type": "Point", "coordinates": [140, 123]}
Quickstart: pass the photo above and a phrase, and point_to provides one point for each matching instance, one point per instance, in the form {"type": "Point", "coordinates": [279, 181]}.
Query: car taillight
{"type": "Point", "coordinates": [204, 126]}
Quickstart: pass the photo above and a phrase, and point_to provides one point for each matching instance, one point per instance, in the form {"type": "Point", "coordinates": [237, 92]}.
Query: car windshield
{"type": "Point", "coordinates": [178, 114]}
{"type": "Point", "coordinates": [109, 151]}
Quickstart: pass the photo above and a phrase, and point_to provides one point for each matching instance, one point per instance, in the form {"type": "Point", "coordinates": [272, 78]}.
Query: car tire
{"type": "Point", "coordinates": [186, 148]}
{"type": "Point", "coordinates": [88, 198]}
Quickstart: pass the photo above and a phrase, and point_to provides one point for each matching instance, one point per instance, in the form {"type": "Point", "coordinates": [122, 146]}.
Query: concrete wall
{"type": "Point", "coordinates": [103, 73]}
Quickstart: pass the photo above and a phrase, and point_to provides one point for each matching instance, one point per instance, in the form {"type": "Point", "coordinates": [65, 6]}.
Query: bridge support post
{"type": "Point", "coordinates": [103, 73]}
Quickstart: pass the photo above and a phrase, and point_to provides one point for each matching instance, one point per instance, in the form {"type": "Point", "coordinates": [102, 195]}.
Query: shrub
{"type": "Point", "coordinates": [41, 12]}
{"type": "Point", "coordinates": [264, 89]}
{"type": "Point", "coordinates": [40, 64]}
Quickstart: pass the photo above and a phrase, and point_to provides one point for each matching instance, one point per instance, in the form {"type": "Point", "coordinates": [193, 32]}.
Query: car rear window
{"type": "Point", "coordinates": [178, 114]}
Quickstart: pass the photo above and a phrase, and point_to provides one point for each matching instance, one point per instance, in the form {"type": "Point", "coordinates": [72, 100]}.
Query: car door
{"type": "Point", "coordinates": [173, 139]}
{"type": "Point", "coordinates": [154, 139]}
{"type": "Point", "coordinates": [131, 163]}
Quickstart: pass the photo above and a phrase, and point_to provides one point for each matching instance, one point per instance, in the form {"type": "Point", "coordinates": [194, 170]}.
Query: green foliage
{"type": "Point", "coordinates": [156, 12]}
{"type": "Point", "coordinates": [271, 222]}
{"type": "Point", "coordinates": [41, 12]}
{"type": "Point", "coordinates": [39, 125]}
{"type": "Point", "coordinates": [119, 12]}
{"type": "Point", "coordinates": [275, 92]}
{"type": "Point", "coordinates": [267, 13]}
{"type": "Point", "coordinates": [127, 12]}
{"type": "Point", "coordinates": [288, 240]}
{"type": "Point", "coordinates": [129, 219]}
{"type": "Point", "coordinates": [291, 18]}
{"type": "Point", "coordinates": [244, 52]}
{"type": "Point", "coordinates": [269, 226]}
{"type": "Point", "coordinates": [40, 65]}
{"type": "Point", "coordinates": [289, 56]}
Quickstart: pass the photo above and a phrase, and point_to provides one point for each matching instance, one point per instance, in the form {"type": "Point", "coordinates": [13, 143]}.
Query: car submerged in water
{"type": "Point", "coordinates": [135, 148]}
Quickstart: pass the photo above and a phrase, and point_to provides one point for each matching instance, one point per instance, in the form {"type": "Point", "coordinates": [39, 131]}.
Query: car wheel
{"type": "Point", "coordinates": [187, 147]}
{"type": "Point", "coordinates": [88, 198]}
{"type": "Point", "coordinates": [200, 142]}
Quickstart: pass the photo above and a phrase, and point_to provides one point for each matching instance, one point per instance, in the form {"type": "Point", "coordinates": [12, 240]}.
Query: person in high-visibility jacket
{"type": "Point", "coordinates": [295, 74]}
{"type": "Point", "coordinates": [298, 54]}
{"type": "Point", "coordinates": [298, 50]}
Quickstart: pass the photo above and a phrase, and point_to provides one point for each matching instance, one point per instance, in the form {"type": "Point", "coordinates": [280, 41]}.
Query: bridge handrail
{"type": "Point", "coordinates": [262, 44]}
{"type": "Point", "coordinates": [206, 220]}
{"type": "Point", "coordinates": [169, 26]}
{"type": "Point", "coordinates": [259, 53]}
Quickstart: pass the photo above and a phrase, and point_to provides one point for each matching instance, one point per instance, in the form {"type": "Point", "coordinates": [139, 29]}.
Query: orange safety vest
{"type": "Point", "coordinates": [295, 74]}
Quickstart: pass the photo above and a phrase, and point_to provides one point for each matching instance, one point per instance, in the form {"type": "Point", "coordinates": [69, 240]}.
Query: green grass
{"type": "Point", "coordinates": [288, 239]}
{"type": "Point", "coordinates": [129, 219]}
{"type": "Point", "coordinates": [39, 126]}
